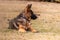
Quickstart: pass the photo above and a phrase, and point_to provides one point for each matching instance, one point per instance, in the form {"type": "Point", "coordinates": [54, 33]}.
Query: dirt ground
{"type": "Point", "coordinates": [48, 23]}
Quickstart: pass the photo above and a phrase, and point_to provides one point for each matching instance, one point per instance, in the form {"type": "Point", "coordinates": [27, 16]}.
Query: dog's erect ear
{"type": "Point", "coordinates": [29, 6]}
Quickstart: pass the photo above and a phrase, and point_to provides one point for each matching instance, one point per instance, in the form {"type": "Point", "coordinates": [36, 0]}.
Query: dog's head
{"type": "Point", "coordinates": [33, 16]}
{"type": "Point", "coordinates": [29, 12]}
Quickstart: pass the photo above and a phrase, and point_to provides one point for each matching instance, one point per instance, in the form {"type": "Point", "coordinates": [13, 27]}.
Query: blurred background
{"type": "Point", "coordinates": [35, 0]}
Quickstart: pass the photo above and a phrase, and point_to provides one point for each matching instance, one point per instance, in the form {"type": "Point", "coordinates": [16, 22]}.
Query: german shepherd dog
{"type": "Point", "coordinates": [22, 21]}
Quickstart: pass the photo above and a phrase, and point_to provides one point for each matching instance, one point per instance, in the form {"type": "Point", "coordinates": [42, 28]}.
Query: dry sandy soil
{"type": "Point", "coordinates": [48, 23]}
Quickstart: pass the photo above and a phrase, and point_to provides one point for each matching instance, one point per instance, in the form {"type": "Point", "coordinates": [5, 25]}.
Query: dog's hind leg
{"type": "Point", "coordinates": [21, 28]}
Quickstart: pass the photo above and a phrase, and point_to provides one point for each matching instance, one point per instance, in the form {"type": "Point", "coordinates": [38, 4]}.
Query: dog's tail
{"type": "Point", "coordinates": [12, 24]}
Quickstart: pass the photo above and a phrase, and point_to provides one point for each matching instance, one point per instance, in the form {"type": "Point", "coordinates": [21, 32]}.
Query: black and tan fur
{"type": "Point", "coordinates": [22, 21]}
